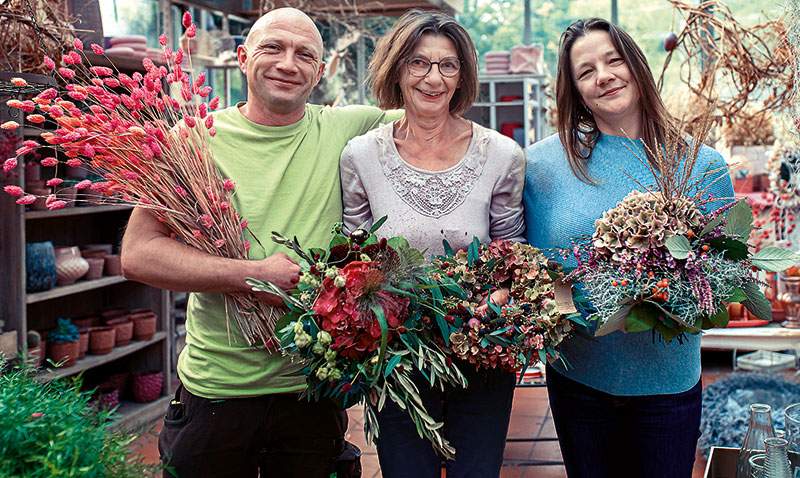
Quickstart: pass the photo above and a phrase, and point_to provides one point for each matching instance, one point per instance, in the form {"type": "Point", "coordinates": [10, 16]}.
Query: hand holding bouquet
{"type": "Point", "coordinates": [513, 336]}
{"type": "Point", "coordinates": [357, 319]}
{"type": "Point", "coordinates": [660, 261]}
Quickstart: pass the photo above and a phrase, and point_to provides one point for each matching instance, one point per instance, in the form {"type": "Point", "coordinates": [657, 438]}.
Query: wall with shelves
{"type": "Point", "coordinates": [510, 99]}
{"type": "Point", "coordinates": [23, 311]}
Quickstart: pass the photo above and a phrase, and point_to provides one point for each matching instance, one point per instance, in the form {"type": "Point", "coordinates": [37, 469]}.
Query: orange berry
{"type": "Point", "coordinates": [614, 283]}
{"type": "Point", "coordinates": [690, 233]}
{"type": "Point", "coordinates": [624, 283]}
{"type": "Point", "coordinates": [705, 247]}
{"type": "Point", "coordinates": [650, 274]}
{"type": "Point", "coordinates": [655, 290]}
{"type": "Point", "coordinates": [666, 282]}
{"type": "Point", "coordinates": [639, 267]}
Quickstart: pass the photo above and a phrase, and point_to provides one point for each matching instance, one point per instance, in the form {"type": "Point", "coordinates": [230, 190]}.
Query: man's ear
{"type": "Point", "coordinates": [320, 72]}
{"type": "Point", "coordinates": [241, 55]}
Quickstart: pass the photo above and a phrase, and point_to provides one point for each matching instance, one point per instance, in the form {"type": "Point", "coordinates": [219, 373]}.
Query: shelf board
{"type": "Point", "coordinates": [122, 63]}
{"type": "Point", "coordinates": [91, 361]}
{"type": "Point", "coordinates": [131, 414]}
{"type": "Point", "coordinates": [77, 211]}
{"type": "Point", "coordinates": [499, 103]}
{"type": "Point", "coordinates": [510, 78]}
{"type": "Point", "coordinates": [80, 286]}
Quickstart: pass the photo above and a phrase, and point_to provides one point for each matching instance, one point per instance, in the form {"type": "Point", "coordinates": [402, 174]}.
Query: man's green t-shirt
{"type": "Point", "coordinates": [287, 180]}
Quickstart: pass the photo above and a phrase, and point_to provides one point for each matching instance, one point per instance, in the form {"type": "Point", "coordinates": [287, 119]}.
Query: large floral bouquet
{"type": "Point", "coordinates": [529, 328]}
{"type": "Point", "coordinates": [660, 261]}
{"type": "Point", "coordinates": [148, 149]}
{"type": "Point", "coordinates": [357, 318]}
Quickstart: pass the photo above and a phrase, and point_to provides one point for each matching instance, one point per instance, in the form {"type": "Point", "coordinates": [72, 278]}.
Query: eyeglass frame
{"type": "Point", "coordinates": [430, 66]}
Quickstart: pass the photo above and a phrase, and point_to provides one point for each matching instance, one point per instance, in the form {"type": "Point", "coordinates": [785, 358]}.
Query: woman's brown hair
{"type": "Point", "coordinates": [577, 128]}
{"type": "Point", "coordinates": [393, 48]}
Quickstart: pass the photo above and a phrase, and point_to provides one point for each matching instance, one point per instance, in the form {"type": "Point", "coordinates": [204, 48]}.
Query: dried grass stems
{"type": "Point", "coordinates": [673, 164]}
{"type": "Point", "coordinates": [793, 36]}
{"type": "Point", "coordinates": [733, 65]}
{"type": "Point", "coordinates": [22, 50]}
{"type": "Point", "coordinates": [160, 159]}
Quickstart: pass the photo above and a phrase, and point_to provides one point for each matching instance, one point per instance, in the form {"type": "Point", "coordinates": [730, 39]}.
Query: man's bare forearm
{"type": "Point", "coordinates": [150, 256]}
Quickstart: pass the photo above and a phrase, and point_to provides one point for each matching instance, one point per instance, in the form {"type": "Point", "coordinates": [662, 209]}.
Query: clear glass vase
{"type": "Point", "coordinates": [759, 429]}
{"type": "Point", "coordinates": [792, 420]}
{"type": "Point", "coordinates": [776, 462]}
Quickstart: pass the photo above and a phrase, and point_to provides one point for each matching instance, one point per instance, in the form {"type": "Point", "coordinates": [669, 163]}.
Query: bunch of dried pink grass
{"type": "Point", "coordinates": [152, 151]}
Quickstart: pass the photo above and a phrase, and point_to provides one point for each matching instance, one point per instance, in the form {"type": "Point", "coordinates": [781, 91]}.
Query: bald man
{"type": "Point", "coordinates": [237, 411]}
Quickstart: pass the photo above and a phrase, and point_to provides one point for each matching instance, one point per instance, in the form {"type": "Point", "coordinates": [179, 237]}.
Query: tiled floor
{"type": "Point", "coordinates": [530, 418]}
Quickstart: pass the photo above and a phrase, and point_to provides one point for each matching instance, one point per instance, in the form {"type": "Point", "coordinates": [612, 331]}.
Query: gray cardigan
{"type": "Point", "coordinates": [480, 196]}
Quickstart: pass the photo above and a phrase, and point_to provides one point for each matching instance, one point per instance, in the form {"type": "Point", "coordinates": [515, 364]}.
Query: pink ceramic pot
{"type": "Point", "coordinates": [70, 266]}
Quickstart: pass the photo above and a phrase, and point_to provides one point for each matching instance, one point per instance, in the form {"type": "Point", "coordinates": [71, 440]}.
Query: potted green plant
{"type": "Point", "coordinates": [49, 429]}
{"type": "Point", "coordinates": [63, 343]}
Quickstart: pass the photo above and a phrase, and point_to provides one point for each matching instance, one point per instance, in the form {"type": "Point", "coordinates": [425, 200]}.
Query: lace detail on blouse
{"type": "Point", "coordinates": [433, 193]}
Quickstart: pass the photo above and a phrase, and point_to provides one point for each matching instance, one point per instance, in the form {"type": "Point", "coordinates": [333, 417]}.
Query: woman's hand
{"type": "Point", "coordinates": [500, 297]}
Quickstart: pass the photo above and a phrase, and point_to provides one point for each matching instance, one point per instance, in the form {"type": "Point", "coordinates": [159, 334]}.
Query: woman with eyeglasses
{"type": "Point", "coordinates": [437, 176]}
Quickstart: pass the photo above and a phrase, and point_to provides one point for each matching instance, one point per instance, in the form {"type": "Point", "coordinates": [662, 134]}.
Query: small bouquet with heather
{"type": "Point", "coordinates": [358, 319]}
{"type": "Point", "coordinates": [151, 151]}
{"type": "Point", "coordinates": [539, 316]}
{"type": "Point", "coordinates": [660, 261]}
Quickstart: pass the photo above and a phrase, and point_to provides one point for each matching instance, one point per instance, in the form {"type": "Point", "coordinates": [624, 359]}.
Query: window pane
{"type": "Point", "coordinates": [131, 17]}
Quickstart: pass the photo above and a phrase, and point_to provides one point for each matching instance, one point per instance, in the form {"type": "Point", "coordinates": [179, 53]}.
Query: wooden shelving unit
{"type": "Point", "coordinates": [529, 111]}
{"type": "Point", "coordinates": [23, 311]}
{"type": "Point", "coordinates": [91, 361]}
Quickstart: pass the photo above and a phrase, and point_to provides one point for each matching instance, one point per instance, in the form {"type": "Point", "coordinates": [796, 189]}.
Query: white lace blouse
{"type": "Point", "coordinates": [480, 196]}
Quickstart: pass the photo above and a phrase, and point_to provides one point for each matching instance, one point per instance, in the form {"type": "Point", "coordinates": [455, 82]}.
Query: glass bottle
{"type": "Point", "coordinates": [759, 429]}
{"type": "Point", "coordinates": [792, 420]}
{"type": "Point", "coordinates": [776, 463]}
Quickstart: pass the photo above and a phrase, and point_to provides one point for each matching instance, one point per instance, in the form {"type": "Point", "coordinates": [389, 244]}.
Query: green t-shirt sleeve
{"type": "Point", "coordinates": [358, 119]}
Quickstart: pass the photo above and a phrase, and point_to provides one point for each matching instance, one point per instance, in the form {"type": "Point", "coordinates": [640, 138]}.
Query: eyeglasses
{"type": "Point", "coordinates": [420, 66]}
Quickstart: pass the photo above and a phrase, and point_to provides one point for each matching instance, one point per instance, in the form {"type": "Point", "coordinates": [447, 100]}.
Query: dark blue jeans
{"type": "Point", "coordinates": [475, 423]}
{"type": "Point", "coordinates": [604, 435]}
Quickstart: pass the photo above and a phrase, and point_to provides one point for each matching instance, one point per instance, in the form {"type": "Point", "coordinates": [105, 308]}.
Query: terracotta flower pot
{"type": "Point", "coordinates": [101, 340]}
{"type": "Point", "coordinates": [95, 268]}
{"type": "Point", "coordinates": [109, 312]}
{"type": "Point", "coordinates": [123, 332]}
{"type": "Point", "coordinates": [113, 265]}
{"type": "Point", "coordinates": [42, 193]}
{"type": "Point", "coordinates": [68, 351]}
{"type": "Point", "coordinates": [146, 385]}
{"type": "Point", "coordinates": [67, 194]}
{"type": "Point", "coordinates": [83, 342]}
{"type": "Point", "coordinates": [144, 325]}
{"type": "Point", "coordinates": [86, 322]}
{"type": "Point", "coordinates": [36, 354]}
{"type": "Point", "coordinates": [105, 247]}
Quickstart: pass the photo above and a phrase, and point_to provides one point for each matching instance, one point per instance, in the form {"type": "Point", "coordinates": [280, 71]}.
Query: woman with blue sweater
{"type": "Point", "coordinates": [627, 404]}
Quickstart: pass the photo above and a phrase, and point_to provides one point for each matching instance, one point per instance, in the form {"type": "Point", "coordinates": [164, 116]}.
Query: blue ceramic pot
{"type": "Point", "coordinates": [40, 265]}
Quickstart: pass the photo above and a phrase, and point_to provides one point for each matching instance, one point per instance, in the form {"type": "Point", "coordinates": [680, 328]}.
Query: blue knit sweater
{"type": "Point", "coordinates": [558, 207]}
